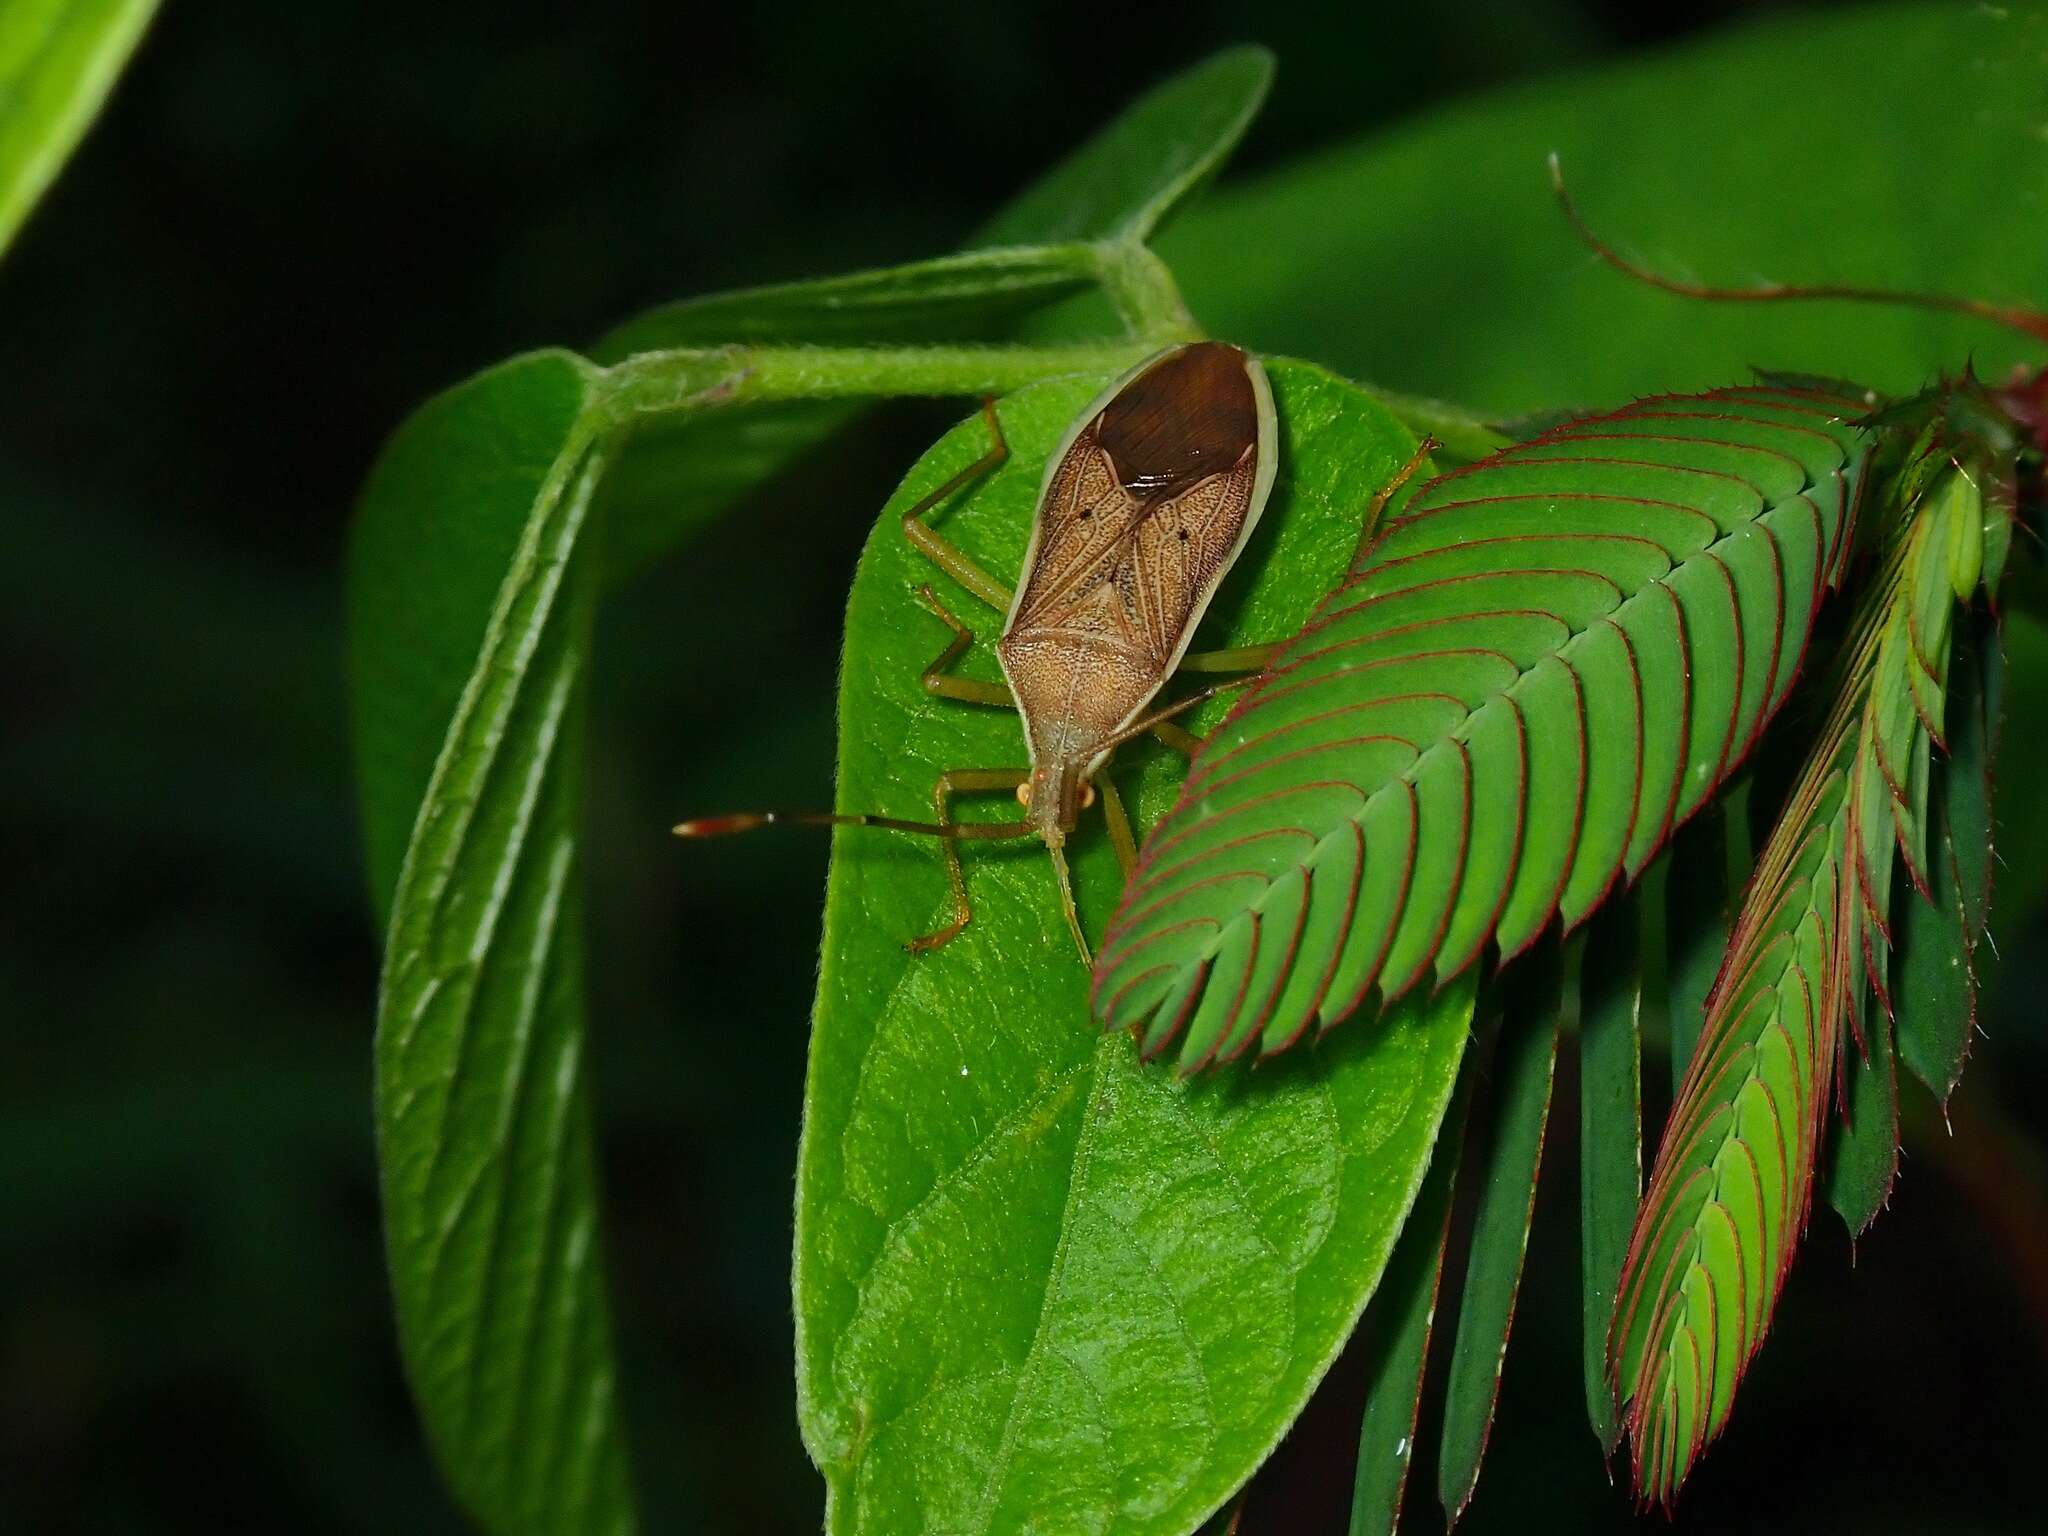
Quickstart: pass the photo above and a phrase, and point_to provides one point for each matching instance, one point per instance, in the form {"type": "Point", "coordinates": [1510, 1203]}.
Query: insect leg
{"type": "Point", "coordinates": [953, 782]}
{"type": "Point", "coordinates": [942, 552]}
{"type": "Point", "coordinates": [942, 684]}
{"type": "Point", "coordinates": [1160, 722]}
{"type": "Point", "coordinates": [1402, 476]}
{"type": "Point", "coordinates": [1256, 658]}
{"type": "Point", "coordinates": [1118, 820]}
{"type": "Point", "coordinates": [1237, 658]}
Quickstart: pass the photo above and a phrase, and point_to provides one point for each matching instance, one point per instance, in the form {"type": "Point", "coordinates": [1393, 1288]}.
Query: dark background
{"type": "Point", "coordinates": [295, 222]}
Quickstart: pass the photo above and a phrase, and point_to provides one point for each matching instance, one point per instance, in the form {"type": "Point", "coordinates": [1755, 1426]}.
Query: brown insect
{"type": "Point", "coordinates": [1147, 502]}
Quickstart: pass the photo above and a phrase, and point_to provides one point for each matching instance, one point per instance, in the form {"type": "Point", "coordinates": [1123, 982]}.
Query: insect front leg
{"type": "Point", "coordinates": [1256, 658]}
{"type": "Point", "coordinates": [953, 782]}
{"type": "Point", "coordinates": [941, 551]}
{"type": "Point", "coordinates": [1118, 821]}
{"type": "Point", "coordinates": [1236, 658]}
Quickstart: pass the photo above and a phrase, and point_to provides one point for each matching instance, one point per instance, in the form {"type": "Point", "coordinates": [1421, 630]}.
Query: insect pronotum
{"type": "Point", "coordinates": [1146, 503]}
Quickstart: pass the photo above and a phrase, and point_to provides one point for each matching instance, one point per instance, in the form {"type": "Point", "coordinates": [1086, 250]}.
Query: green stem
{"type": "Point", "coordinates": [1142, 288]}
{"type": "Point", "coordinates": [700, 378]}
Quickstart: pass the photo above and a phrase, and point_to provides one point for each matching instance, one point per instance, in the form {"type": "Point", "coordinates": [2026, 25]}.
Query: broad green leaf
{"type": "Point", "coordinates": [474, 584]}
{"type": "Point", "coordinates": [1137, 172]}
{"type": "Point", "coordinates": [1527, 678]}
{"type": "Point", "coordinates": [58, 62]}
{"type": "Point", "coordinates": [1916, 127]}
{"type": "Point", "coordinates": [1612, 987]}
{"type": "Point", "coordinates": [1037, 1284]}
{"type": "Point", "coordinates": [1398, 1330]}
{"type": "Point", "coordinates": [1523, 1070]}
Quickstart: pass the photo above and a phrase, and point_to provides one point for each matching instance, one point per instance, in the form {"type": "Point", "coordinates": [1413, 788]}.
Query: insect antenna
{"type": "Point", "coordinates": [749, 821]}
{"type": "Point", "coordinates": [2028, 322]}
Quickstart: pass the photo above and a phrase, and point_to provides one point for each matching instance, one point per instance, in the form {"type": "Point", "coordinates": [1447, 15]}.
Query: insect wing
{"type": "Point", "coordinates": [1150, 501]}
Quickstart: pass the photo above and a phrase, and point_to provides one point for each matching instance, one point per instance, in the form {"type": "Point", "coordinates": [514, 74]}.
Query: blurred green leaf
{"type": "Point", "coordinates": [1523, 1070]}
{"type": "Point", "coordinates": [1400, 1328]}
{"type": "Point", "coordinates": [678, 473]}
{"type": "Point", "coordinates": [1701, 898]}
{"type": "Point", "coordinates": [2021, 882]}
{"type": "Point", "coordinates": [1934, 984]}
{"type": "Point", "coordinates": [1432, 259]}
{"type": "Point", "coordinates": [489, 1184]}
{"type": "Point", "coordinates": [58, 62]}
{"type": "Point", "coordinates": [1610, 1135]}
{"type": "Point", "coordinates": [1035, 1282]}
{"type": "Point", "coordinates": [1865, 1158]}
{"type": "Point", "coordinates": [1137, 172]}
{"type": "Point", "coordinates": [950, 298]}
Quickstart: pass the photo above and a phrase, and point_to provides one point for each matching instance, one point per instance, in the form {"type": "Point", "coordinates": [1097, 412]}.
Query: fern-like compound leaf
{"type": "Point", "coordinates": [1526, 680]}
{"type": "Point", "coordinates": [1809, 954]}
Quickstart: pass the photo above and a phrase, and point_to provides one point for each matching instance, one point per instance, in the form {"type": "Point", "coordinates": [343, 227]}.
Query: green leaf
{"type": "Point", "coordinates": [1036, 1282]}
{"type": "Point", "coordinates": [1976, 721]}
{"type": "Point", "coordinates": [1729, 1193]}
{"type": "Point", "coordinates": [1610, 1133]}
{"type": "Point", "coordinates": [443, 511]}
{"type": "Point", "coordinates": [1935, 976]}
{"type": "Point", "coordinates": [1413, 780]}
{"type": "Point", "coordinates": [475, 523]}
{"type": "Point", "coordinates": [58, 62]}
{"type": "Point", "coordinates": [1934, 982]}
{"type": "Point", "coordinates": [1524, 1068]}
{"type": "Point", "coordinates": [1866, 1156]}
{"type": "Point", "coordinates": [1398, 1331]}
{"type": "Point", "coordinates": [1913, 125]}
{"type": "Point", "coordinates": [1137, 172]}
